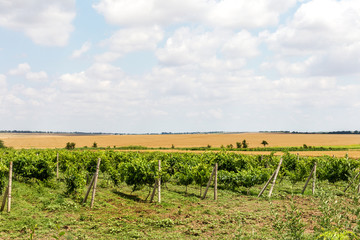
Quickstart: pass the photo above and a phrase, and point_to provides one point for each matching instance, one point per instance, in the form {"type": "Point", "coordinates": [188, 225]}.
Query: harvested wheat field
{"type": "Point", "coordinates": [19, 141]}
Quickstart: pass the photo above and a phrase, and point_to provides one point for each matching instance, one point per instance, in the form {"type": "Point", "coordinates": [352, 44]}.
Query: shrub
{"type": "Point", "coordinates": [70, 145]}
{"type": "Point", "coordinates": [2, 145]}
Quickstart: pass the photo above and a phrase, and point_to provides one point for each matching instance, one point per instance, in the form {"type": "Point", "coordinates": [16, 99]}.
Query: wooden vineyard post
{"type": "Point", "coordinates": [57, 166]}
{"type": "Point", "coordinates": [153, 192]}
{"type": "Point", "coordinates": [7, 195]}
{"type": "Point", "coordinates": [95, 181]}
{"type": "Point", "coordinates": [89, 188]}
{"type": "Point", "coordinates": [9, 188]}
{"type": "Point", "coordinates": [4, 199]}
{"type": "Point", "coordinates": [215, 181]}
{"type": "Point", "coordinates": [159, 183]}
{"type": "Point", "coordinates": [266, 184]}
{"type": "Point", "coordinates": [314, 180]}
{"type": "Point", "coordinates": [352, 181]}
{"type": "Point", "coordinates": [275, 176]}
{"type": "Point", "coordinates": [209, 182]}
{"type": "Point", "coordinates": [358, 187]}
{"type": "Point", "coordinates": [308, 179]}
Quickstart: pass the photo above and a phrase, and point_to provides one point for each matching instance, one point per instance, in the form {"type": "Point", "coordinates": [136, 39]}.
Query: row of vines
{"type": "Point", "coordinates": [140, 169]}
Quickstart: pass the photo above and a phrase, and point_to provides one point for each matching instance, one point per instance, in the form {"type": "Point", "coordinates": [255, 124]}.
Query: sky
{"type": "Point", "coordinates": [152, 66]}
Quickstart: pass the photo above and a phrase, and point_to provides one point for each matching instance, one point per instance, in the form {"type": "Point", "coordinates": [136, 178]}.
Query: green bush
{"type": "Point", "coordinates": [2, 145]}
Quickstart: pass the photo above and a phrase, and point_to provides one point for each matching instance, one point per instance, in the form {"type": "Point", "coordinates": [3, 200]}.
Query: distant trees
{"type": "Point", "coordinates": [94, 145]}
{"type": "Point", "coordinates": [242, 144]}
{"type": "Point", "coordinates": [264, 143]}
{"type": "Point", "coordinates": [70, 145]}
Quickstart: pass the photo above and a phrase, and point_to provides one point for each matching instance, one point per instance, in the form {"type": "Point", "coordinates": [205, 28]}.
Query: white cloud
{"type": "Point", "coordinates": [84, 48]}
{"type": "Point", "coordinates": [224, 13]}
{"type": "Point", "coordinates": [99, 77]}
{"type": "Point", "coordinates": [237, 14]}
{"type": "Point", "coordinates": [188, 46]}
{"type": "Point", "coordinates": [3, 83]}
{"type": "Point", "coordinates": [326, 33]}
{"type": "Point", "coordinates": [130, 40]}
{"type": "Point", "coordinates": [36, 76]}
{"type": "Point", "coordinates": [24, 69]}
{"type": "Point", "coordinates": [107, 57]}
{"type": "Point", "coordinates": [242, 45]}
{"type": "Point", "coordinates": [46, 22]}
{"type": "Point", "coordinates": [213, 50]}
{"type": "Point", "coordinates": [21, 69]}
{"type": "Point", "coordinates": [150, 12]}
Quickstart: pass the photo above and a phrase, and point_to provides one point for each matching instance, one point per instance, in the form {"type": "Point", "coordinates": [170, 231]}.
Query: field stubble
{"type": "Point", "coordinates": [42, 141]}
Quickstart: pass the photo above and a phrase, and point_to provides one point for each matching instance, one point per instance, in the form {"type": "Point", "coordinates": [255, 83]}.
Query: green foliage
{"type": "Point", "coordinates": [230, 146]}
{"type": "Point", "coordinates": [336, 217]}
{"type": "Point", "coordinates": [138, 169]}
{"type": "Point", "coordinates": [70, 145]}
{"type": "Point", "coordinates": [75, 180]}
{"type": "Point", "coordinates": [138, 173]}
{"type": "Point", "coordinates": [201, 174]}
{"type": "Point", "coordinates": [4, 171]}
{"type": "Point", "coordinates": [290, 226]}
{"type": "Point", "coordinates": [185, 175]}
{"type": "Point", "coordinates": [2, 145]}
{"type": "Point", "coordinates": [337, 235]}
{"type": "Point", "coordinates": [336, 169]}
{"type": "Point", "coordinates": [33, 165]}
{"type": "Point", "coordinates": [245, 144]}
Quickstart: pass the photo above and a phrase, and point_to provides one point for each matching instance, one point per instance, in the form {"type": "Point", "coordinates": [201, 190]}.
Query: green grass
{"type": "Point", "coordinates": [43, 209]}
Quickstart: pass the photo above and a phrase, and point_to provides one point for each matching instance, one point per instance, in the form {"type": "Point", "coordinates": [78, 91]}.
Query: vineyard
{"type": "Point", "coordinates": [66, 174]}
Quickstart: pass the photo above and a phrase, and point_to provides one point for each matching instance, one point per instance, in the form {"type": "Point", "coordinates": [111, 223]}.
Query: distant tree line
{"type": "Point", "coordinates": [331, 132]}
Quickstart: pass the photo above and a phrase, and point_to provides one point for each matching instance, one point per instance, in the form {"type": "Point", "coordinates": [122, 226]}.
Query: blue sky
{"type": "Point", "coordinates": [138, 66]}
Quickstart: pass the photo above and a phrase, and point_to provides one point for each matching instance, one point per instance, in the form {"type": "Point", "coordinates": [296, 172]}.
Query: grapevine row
{"type": "Point", "coordinates": [139, 169]}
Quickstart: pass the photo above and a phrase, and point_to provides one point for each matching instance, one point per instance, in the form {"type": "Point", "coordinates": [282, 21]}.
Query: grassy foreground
{"type": "Point", "coordinates": [42, 211]}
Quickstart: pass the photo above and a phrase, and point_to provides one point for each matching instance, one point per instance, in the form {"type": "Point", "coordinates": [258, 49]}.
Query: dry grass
{"type": "Point", "coordinates": [184, 140]}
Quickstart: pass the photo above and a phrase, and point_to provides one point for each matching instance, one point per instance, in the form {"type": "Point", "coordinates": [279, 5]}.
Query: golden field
{"type": "Point", "coordinates": [26, 141]}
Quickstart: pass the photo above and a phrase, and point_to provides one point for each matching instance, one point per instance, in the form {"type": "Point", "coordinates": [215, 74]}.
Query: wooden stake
{"type": "Point", "coordinates": [95, 181]}
{"type": "Point", "coordinates": [358, 187]}
{"type": "Point", "coordinates": [275, 176]}
{"type": "Point", "coordinates": [9, 188]}
{"type": "Point", "coordinates": [57, 166]}
{"type": "Point", "coordinates": [215, 181]}
{"type": "Point", "coordinates": [351, 181]}
{"type": "Point", "coordinates": [4, 199]}
{"type": "Point", "coordinates": [209, 182]}
{"type": "Point", "coordinates": [153, 192]}
{"type": "Point", "coordinates": [314, 180]}
{"type": "Point", "coordinates": [308, 179]}
{"type": "Point", "coordinates": [159, 183]}
{"type": "Point", "coordinates": [89, 188]}
{"type": "Point", "coordinates": [266, 184]}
